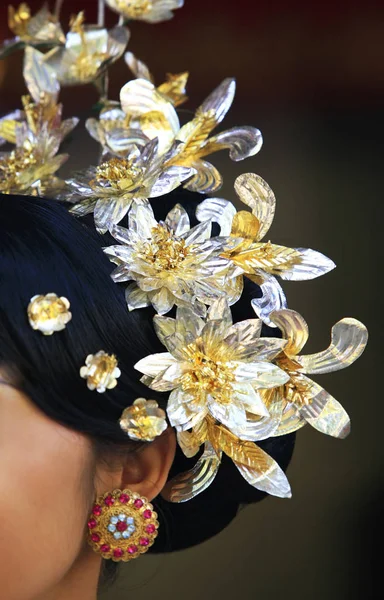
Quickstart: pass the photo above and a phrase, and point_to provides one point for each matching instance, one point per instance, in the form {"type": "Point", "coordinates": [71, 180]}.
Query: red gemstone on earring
{"type": "Point", "coordinates": [121, 526]}
{"type": "Point", "coordinates": [132, 549]}
{"type": "Point", "coordinates": [95, 537]}
{"type": "Point", "coordinates": [97, 510]}
{"type": "Point", "coordinates": [109, 501]}
{"type": "Point", "coordinates": [105, 548]}
{"type": "Point", "coordinates": [138, 503]}
{"type": "Point", "coordinates": [118, 552]}
{"type": "Point", "coordinates": [147, 514]}
{"type": "Point", "coordinates": [144, 541]}
{"type": "Point", "coordinates": [92, 523]}
{"type": "Point", "coordinates": [124, 498]}
{"type": "Point", "coordinates": [150, 528]}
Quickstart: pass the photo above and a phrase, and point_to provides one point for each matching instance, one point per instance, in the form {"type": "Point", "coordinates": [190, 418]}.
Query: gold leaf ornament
{"type": "Point", "coordinates": [48, 313]}
{"type": "Point", "coordinates": [144, 420]}
{"type": "Point", "coordinates": [100, 371]}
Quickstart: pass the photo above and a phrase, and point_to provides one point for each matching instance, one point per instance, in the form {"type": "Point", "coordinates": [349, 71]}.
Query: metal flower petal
{"type": "Point", "coordinates": [323, 412]}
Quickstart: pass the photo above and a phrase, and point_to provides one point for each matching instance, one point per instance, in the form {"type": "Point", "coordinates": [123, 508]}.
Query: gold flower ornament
{"type": "Point", "coordinates": [48, 313]}
{"type": "Point", "coordinates": [100, 371]}
{"type": "Point", "coordinates": [144, 420]}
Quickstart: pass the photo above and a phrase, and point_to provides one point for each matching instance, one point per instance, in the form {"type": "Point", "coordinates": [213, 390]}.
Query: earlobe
{"type": "Point", "coordinates": [147, 470]}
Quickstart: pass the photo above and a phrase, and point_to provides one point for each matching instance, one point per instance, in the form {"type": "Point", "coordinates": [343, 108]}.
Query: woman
{"type": "Point", "coordinates": [61, 443]}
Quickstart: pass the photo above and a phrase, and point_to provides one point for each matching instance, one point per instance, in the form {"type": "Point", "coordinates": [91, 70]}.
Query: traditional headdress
{"type": "Point", "coordinates": [228, 387]}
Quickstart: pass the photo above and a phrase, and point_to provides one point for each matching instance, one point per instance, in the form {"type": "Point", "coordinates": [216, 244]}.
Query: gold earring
{"type": "Point", "coordinates": [122, 525]}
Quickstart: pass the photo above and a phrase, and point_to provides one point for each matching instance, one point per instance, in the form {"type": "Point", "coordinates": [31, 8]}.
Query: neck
{"type": "Point", "coordinates": [81, 581]}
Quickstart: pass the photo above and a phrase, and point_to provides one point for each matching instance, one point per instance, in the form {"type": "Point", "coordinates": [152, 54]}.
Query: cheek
{"type": "Point", "coordinates": [43, 508]}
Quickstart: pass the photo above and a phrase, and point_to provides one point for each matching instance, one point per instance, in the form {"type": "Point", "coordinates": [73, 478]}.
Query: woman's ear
{"type": "Point", "coordinates": [145, 471]}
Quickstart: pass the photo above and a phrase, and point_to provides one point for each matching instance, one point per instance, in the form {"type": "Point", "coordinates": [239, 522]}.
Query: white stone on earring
{"type": "Point", "coordinates": [114, 520]}
{"type": "Point", "coordinates": [126, 534]}
{"type": "Point", "coordinates": [111, 528]}
{"type": "Point", "coordinates": [117, 535]}
{"type": "Point", "coordinates": [130, 520]}
{"type": "Point", "coordinates": [122, 517]}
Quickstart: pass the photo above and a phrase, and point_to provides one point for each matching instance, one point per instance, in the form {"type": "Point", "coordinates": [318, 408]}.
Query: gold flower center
{"type": "Point", "coordinates": [12, 165]}
{"type": "Point", "coordinates": [164, 251]}
{"type": "Point", "coordinates": [207, 376]}
{"type": "Point", "coordinates": [101, 369]}
{"type": "Point", "coordinates": [120, 173]}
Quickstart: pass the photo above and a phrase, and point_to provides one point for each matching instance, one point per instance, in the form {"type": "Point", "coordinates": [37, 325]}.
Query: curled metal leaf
{"type": "Point", "coordinates": [121, 141]}
{"type": "Point", "coordinates": [242, 142]}
{"type": "Point", "coordinates": [273, 297]}
{"type": "Point", "coordinates": [219, 211]}
{"type": "Point", "coordinates": [348, 340]}
{"type": "Point", "coordinates": [293, 327]}
{"type": "Point", "coordinates": [169, 180]}
{"type": "Point", "coordinates": [245, 225]}
{"type": "Point", "coordinates": [186, 486]}
{"type": "Point", "coordinates": [324, 413]}
{"type": "Point", "coordinates": [207, 178]}
{"type": "Point", "coordinates": [256, 193]}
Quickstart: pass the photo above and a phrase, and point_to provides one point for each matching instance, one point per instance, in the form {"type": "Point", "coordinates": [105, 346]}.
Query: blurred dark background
{"type": "Point", "coordinates": [311, 76]}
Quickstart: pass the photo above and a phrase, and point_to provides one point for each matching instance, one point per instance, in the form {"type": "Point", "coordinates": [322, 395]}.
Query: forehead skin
{"type": "Point", "coordinates": [45, 489]}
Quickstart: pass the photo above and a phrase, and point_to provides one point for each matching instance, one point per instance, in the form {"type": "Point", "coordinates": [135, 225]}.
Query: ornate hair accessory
{"type": "Point", "coordinates": [229, 387]}
{"type": "Point", "coordinates": [144, 420]}
{"type": "Point", "coordinates": [100, 371]}
{"type": "Point", "coordinates": [48, 313]}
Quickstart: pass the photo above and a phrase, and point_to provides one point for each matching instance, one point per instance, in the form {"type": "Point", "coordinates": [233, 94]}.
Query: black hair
{"type": "Point", "coordinates": [45, 249]}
